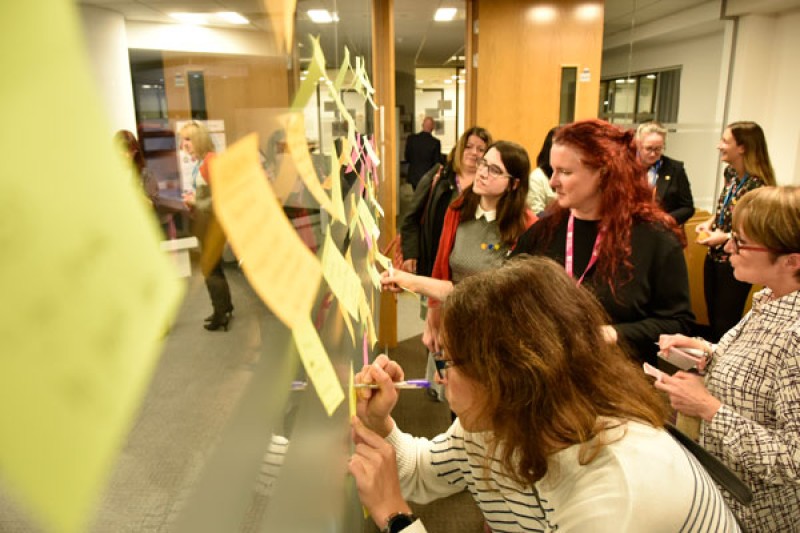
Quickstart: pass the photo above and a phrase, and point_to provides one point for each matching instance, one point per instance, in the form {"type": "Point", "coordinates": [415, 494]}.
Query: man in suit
{"type": "Point", "coordinates": [666, 176]}
{"type": "Point", "coordinates": [423, 150]}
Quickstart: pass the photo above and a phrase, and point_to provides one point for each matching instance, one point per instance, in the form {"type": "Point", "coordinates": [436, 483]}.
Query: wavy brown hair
{"type": "Point", "coordinates": [458, 151]}
{"type": "Point", "coordinates": [756, 156]}
{"type": "Point", "coordinates": [532, 339]}
{"type": "Point", "coordinates": [511, 208]}
{"type": "Point", "coordinates": [624, 194]}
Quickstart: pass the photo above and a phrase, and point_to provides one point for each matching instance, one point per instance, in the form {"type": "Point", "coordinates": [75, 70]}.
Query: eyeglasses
{"type": "Point", "coordinates": [739, 245]}
{"type": "Point", "coordinates": [495, 172]}
{"type": "Point", "coordinates": [442, 364]}
{"type": "Point", "coordinates": [653, 149]}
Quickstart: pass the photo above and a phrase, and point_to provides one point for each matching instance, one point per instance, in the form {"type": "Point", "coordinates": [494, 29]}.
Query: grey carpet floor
{"type": "Point", "coordinates": [198, 382]}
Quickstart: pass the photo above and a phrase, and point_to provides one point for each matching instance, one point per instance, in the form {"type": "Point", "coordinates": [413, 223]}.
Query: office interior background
{"type": "Point", "coordinates": [515, 67]}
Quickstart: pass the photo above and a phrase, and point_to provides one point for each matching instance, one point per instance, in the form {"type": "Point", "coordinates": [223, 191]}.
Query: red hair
{"type": "Point", "coordinates": [625, 197]}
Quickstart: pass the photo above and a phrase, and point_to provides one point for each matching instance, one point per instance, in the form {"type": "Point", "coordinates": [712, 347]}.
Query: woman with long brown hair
{"type": "Point", "coordinates": [744, 148]}
{"type": "Point", "coordinates": [612, 237]}
{"type": "Point", "coordinates": [556, 428]}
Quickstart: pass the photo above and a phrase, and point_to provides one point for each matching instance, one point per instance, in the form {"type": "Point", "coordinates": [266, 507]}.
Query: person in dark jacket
{"type": "Point", "coordinates": [665, 175]}
{"type": "Point", "coordinates": [422, 226]}
{"type": "Point", "coordinates": [423, 151]}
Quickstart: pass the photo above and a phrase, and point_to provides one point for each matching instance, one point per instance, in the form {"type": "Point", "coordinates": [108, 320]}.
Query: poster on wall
{"type": "Point", "coordinates": [216, 129]}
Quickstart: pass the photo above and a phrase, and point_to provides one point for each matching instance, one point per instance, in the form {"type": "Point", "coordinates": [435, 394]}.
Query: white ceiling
{"type": "Point", "coordinates": [417, 35]}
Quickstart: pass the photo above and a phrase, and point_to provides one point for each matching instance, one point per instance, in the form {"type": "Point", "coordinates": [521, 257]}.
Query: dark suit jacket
{"type": "Point", "coordinates": [423, 150]}
{"type": "Point", "coordinates": [673, 190]}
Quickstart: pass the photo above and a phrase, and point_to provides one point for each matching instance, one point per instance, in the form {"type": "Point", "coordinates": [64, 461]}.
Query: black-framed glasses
{"type": "Point", "coordinates": [653, 149]}
{"type": "Point", "coordinates": [495, 172]}
{"type": "Point", "coordinates": [739, 245]}
{"type": "Point", "coordinates": [442, 364]}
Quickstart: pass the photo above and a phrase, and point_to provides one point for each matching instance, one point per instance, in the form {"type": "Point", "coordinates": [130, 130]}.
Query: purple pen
{"type": "Point", "coordinates": [409, 384]}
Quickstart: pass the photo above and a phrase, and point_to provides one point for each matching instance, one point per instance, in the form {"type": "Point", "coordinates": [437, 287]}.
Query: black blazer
{"type": "Point", "coordinates": [423, 150]}
{"type": "Point", "coordinates": [673, 190]}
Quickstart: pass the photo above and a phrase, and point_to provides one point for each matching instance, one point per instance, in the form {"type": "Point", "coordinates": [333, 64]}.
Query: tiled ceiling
{"type": "Point", "coordinates": [417, 35]}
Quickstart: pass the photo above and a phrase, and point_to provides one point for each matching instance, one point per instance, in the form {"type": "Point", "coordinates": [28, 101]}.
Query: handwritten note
{"type": "Point", "coordinates": [281, 269]}
{"type": "Point", "coordinates": [86, 300]}
{"type": "Point", "coordinates": [298, 147]}
{"type": "Point", "coordinates": [318, 365]}
{"type": "Point", "coordinates": [341, 277]}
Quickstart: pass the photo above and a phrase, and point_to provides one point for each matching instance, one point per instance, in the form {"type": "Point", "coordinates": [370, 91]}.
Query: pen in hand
{"type": "Point", "coordinates": [409, 384]}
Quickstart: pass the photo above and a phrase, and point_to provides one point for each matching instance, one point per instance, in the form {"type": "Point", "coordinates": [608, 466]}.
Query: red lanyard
{"type": "Point", "coordinates": [571, 251]}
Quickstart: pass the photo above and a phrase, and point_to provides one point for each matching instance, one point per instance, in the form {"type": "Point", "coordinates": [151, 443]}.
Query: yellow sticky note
{"type": "Point", "coordinates": [337, 84]}
{"type": "Point", "coordinates": [341, 277]}
{"type": "Point", "coordinates": [316, 70]}
{"type": "Point", "coordinates": [281, 269]}
{"type": "Point", "coordinates": [298, 147]}
{"type": "Point", "coordinates": [318, 365]}
{"type": "Point", "coordinates": [337, 202]}
{"type": "Point", "coordinates": [366, 319]}
{"type": "Point", "coordinates": [87, 292]}
{"type": "Point", "coordinates": [382, 260]}
{"type": "Point", "coordinates": [374, 276]}
{"type": "Point", "coordinates": [281, 14]}
{"type": "Point", "coordinates": [367, 219]}
{"type": "Point", "coordinates": [351, 392]}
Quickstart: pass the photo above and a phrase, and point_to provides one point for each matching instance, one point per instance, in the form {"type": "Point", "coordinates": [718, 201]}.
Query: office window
{"type": "Point", "coordinates": [641, 97]}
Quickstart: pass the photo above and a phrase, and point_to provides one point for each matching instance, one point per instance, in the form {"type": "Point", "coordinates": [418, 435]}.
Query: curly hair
{"type": "Point", "coordinates": [532, 339]}
{"type": "Point", "coordinates": [624, 194]}
{"type": "Point", "coordinates": [511, 208]}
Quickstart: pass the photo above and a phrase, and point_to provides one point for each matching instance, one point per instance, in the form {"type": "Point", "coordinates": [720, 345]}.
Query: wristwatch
{"type": "Point", "coordinates": [398, 522]}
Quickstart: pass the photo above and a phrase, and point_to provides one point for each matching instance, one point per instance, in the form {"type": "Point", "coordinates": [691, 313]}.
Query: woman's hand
{"type": "Point", "coordinates": [410, 266]}
{"type": "Point", "coordinates": [713, 238]}
{"type": "Point", "coordinates": [430, 335]}
{"type": "Point", "coordinates": [665, 342]}
{"type": "Point", "coordinates": [704, 227]}
{"type": "Point", "coordinates": [374, 467]}
{"type": "Point", "coordinates": [374, 406]}
{"type": "Point", "coordinates": [188, 199]}
{"type": "Point", "coordinates": [397, 280]}
{"type": "Point", "coordinates": [609, 333]}
{"type": "Point", "coordinates": [688, 395]}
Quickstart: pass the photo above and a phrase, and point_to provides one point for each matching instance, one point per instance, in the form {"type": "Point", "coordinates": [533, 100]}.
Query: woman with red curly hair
{"type": "Point", "coordinates": [612, 238]}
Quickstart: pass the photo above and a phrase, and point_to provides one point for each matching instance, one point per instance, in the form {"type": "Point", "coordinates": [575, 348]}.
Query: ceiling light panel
{"type": "Point", "coordinates": [445, 14]}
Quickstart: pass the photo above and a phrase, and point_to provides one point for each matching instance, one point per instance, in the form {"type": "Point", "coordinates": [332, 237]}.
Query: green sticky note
{"type": "Point", "coordinates": [86, 291]}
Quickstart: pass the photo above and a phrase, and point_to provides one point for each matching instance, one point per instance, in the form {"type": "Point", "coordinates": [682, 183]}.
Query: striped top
{"type": "Point", "coordinates": [644, 481]}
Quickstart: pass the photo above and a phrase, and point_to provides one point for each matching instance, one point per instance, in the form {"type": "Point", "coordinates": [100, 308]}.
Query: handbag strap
{"type": "Point", "coordinates": [719, 472]}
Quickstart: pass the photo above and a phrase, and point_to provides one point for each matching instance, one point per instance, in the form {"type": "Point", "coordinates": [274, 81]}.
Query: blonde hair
{"type": "Point", "coordinates": [200, 138]}
{"type": "Point", "coordinates": [646, 128]}
{"type": "Point", "coordinates": [771, 216]}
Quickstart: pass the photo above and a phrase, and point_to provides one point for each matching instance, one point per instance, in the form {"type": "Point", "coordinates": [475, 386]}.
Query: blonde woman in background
{"type": "Point", "coordinates": [196, 141]}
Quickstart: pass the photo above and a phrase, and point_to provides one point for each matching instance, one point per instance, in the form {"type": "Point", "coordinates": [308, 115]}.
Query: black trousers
{"type": "Point", "coordinates": [218, 290]}
{"type": "Point", "coordinates": [725, 297]}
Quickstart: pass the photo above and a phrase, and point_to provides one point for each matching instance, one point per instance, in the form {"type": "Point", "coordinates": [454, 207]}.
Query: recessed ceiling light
{"type": "Point", "coordinates": [190, 18]}
{"type": "Point", "coordinates": [454, 76]}
{"type": "Point", "coordinates": [462, 81]}
{"type": "Point", "coordinates": [651, 76]}
{"type": "Point", "coordinates": [448, 81]}
{"type": "Point", "coordinates": [445, 14]}
{"type": "Point", "coordinates": [232, 17]}
{"type": "Point", "coordinates": [322, 16]}
{"type": "Point", "coordinates": [420, 81]}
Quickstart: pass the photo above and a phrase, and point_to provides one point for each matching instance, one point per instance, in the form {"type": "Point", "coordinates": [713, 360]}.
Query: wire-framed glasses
{"type": "Point", "coordinates": [495, 171]}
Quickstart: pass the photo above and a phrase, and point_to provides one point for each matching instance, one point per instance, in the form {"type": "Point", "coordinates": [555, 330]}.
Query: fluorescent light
{"type": "Point", "coordinates": [190, 18]}
{"type": "Point", "coordinates": [232, 17]}
{"type": "Point", "coordinates": [651, 76]}
{"type": "Point", "coordinates": [420, 81]}
{"type": "Point", "coordinates": [445, 14]}
{"type": "Point", "coordinates": [322, 16]}
{"type": "Point", "coordinates": [448, 81]}
{"type": "Point", "coordinates": [462, 81]}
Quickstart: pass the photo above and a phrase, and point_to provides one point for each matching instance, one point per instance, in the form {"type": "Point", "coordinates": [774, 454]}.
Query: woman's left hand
{"type": "Point", "coordinates": [688, 395]}
{"type": "Point", "coordinates": [396, 280]}
{"type": "Point", "coordinates": [374, 467]}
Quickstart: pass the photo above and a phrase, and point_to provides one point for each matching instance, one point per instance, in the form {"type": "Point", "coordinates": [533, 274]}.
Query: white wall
{"type": "Point", "coordinates": [699, 124]}
{"type": "Point", "coordinates": [107, 49]}
{"type": "Point", "coordinates": [189, 38]}
{"type": "Point", "coordinates": [764, 88]}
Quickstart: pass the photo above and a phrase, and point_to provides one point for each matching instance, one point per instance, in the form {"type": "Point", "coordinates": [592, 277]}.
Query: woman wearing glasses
{"type": "Point", "coordinates": [479, 230]}
{"type": "Point", "coordinates": [750, 400]}
{"type": "Point", "coordinates": [666, 176]}
{"type": "Point", "coordinates": [744, 148]}
{"type": "Point", "coordinates": [556, 429]}
{"type": "Point", "coordinates": [611, 237]}
{"type": "Point", "coordinates": [422, 226]}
